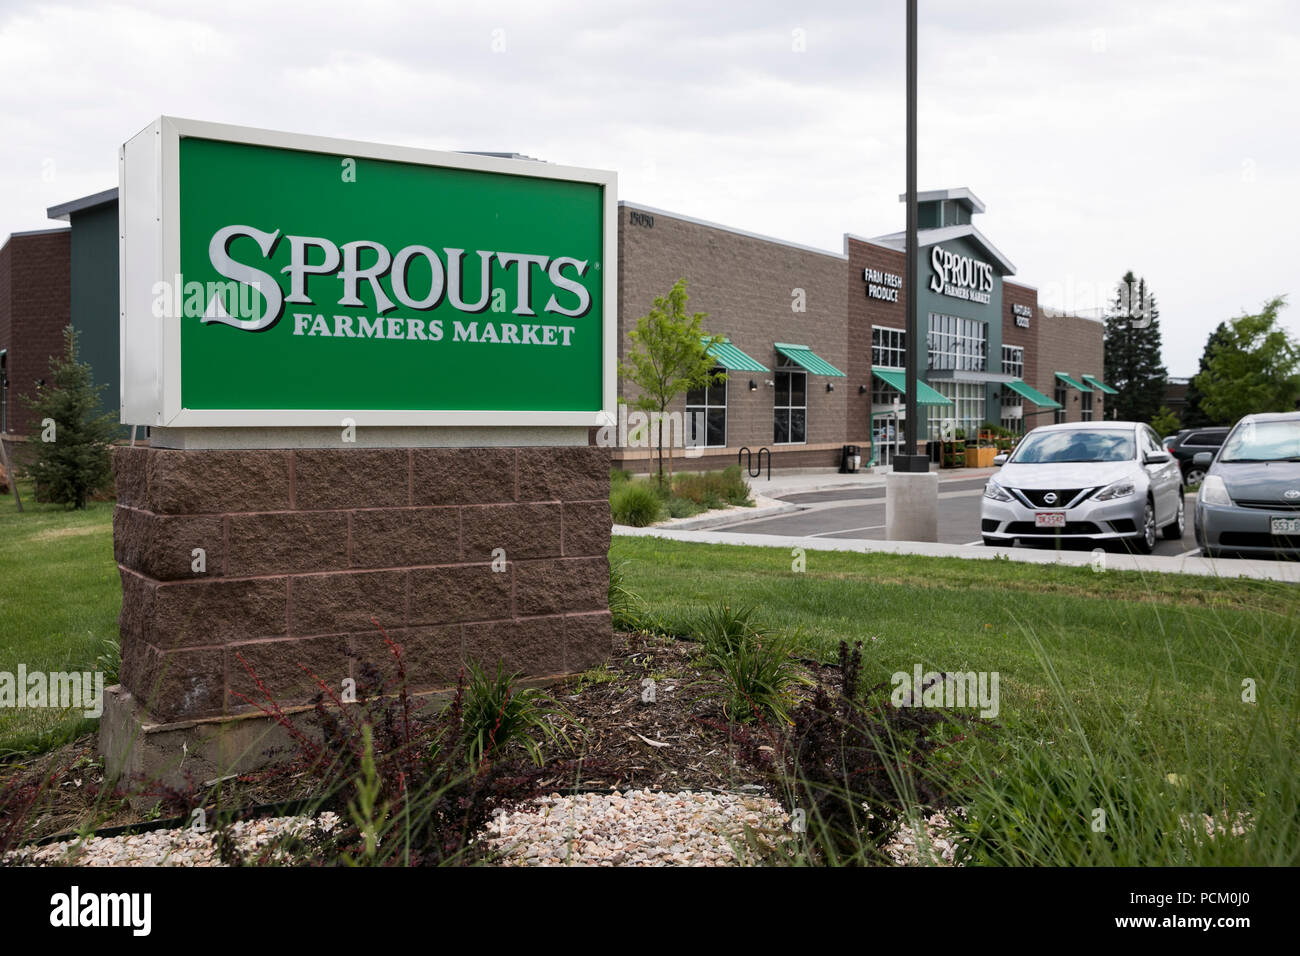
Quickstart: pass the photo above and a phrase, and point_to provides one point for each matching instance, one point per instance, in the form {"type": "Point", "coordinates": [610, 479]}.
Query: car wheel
{"type": "Point", "coordinates": [1193, 476]}
{"type": "Point", "coordinates": [1174, 530]}
{"type": "Point", "coordinates": [1146, 538]}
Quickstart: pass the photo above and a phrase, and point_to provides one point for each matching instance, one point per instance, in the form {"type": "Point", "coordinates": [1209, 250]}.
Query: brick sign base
{"type": "Point", "coordinates": [248, 567]}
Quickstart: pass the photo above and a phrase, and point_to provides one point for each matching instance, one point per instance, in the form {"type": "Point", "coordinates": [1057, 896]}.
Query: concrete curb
{"type": "Point", "coordinates": [1286, 572]}
{"type": "Point", "coordinates": [714, 521]}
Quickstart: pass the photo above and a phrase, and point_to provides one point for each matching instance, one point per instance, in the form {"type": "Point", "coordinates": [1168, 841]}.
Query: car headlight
{"type": "Point", "coordinates": [1214, 491]}
{"type": "Point", "coordinates": [1118, 489]}
{"type": "Point", "coordinates": [996, 492]}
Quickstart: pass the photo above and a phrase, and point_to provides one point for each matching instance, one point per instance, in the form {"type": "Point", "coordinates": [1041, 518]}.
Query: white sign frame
{"type": "Point", "coordinates": [149, 253]}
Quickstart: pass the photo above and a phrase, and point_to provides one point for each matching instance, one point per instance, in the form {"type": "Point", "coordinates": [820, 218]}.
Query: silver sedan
{"type": "Point", "coordinates": [1085, 481]}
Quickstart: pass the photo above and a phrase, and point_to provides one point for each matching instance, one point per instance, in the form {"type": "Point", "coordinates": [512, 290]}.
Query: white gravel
{"type": "Point", "coordinates": [633, 828]}
{"type": "Point", "coordinates": [636, 828]}
{"type": "Point", "coordinates": [180, 847]}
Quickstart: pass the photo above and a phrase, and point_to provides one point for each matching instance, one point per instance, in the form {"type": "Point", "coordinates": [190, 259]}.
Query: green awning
{"type": "Point", "coordinates": [805, 357]}
{"type": "Point", "coordinates": [1072, 383]}
{"type": "Point", "coordinates": [733, 359]}
{"type": "Point", "coordinates": [1033, 394]}
{"type": "Point", "coordinates": [925, 395]}
{"type": "Point", "coordinates": [1100, 385]}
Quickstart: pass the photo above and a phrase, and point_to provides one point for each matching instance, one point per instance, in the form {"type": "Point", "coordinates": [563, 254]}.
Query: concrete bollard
{"type": "Point", "coordinates": [912, 506]}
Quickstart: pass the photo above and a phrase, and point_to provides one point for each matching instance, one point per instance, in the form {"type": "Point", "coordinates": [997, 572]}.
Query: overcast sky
{"type": "Point", "coordinates": [1162, 137]}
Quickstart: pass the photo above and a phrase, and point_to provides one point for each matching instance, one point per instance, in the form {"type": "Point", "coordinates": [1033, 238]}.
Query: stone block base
{"type": "Point", "coordinates": [250, 574]}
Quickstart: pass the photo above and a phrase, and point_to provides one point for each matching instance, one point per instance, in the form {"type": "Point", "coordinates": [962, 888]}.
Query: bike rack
{"type": "Point", "coordinates": [749, 461]}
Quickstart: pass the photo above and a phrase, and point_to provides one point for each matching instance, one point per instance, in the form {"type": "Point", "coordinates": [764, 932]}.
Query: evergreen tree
{"type": "Point", "coordinates": [1194, 415]}
{"type": "Point", "coordinates": [1132, 352]}
{"type": "Point", "coordinates": [70, 461]}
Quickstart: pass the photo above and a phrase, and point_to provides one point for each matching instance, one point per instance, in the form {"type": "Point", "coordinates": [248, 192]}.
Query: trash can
{"type": "Point", "coordinates": [850, 459]}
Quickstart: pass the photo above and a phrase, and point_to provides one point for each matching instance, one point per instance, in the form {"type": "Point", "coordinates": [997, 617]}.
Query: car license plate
{"type": "Point", "coordinates": [1049, 519]}
{"type": "Point", "coordinates": [1285, 526]}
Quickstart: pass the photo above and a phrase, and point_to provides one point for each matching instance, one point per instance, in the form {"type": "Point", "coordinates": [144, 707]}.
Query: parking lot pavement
{"type": "Point", "coordinates": [859, 514]}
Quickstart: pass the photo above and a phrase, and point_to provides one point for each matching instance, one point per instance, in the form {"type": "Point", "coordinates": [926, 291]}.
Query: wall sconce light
{"type": "Point", "coordinates": [1076, 396]}
{"type": "Point", "coordinates": [753, 386]}
{"type": "Point", "coordinates": [830, 386]}
{"type": "Point", "coordinates": [862, 389]}
{"type": "Point", "coordinates": [771, 384]}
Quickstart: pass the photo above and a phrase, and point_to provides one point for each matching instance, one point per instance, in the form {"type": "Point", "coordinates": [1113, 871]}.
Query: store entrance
{"type": "Point", "coordinates": [887, 435]}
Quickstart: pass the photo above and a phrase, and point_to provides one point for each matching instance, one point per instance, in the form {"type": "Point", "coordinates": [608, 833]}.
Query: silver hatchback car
{"type": "Point", "coordinates": [1085, 481]}
{"type": "Point", "coordinates": [1249, 502]}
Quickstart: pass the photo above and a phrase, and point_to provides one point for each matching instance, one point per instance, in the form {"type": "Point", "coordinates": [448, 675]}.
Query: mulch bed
{"type": "Point", "coordinates": [677, 741]}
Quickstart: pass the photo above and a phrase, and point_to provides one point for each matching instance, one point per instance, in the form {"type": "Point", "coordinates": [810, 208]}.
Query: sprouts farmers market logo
{"type": "Point", "coordinates": [251, 298]}
{"type": "Point", "coordinates": [399, 286]}
{"type": "Point", "coordinates": [960, 276]}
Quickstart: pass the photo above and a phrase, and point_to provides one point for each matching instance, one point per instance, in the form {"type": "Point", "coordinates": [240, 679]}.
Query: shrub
{"type": "Point", "coordinates": [713, 489]}
{"type": "Point", "coordinates": [635, 503]}
{"type": "Point", "coordinates": [498, 714]}
{"type": "Point", "coordinates": [624, 605]}
{"type": "Point", "coordinates": [411, 789]}
{"type": "Point", "coordinates": [682, 507]}
{"type": "Point", "coordinates": [757, 672]}
{"type": "Point", "coordinates": [853, 766]}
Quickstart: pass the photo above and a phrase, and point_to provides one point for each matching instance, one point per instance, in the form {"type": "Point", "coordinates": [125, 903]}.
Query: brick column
{"type": "Point", "coordinates": [302, 548]}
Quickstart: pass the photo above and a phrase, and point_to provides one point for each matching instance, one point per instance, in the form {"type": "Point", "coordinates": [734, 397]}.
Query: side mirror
{"type": "Point", "coordinates": [1157, 457]}
{"type": "Point", "coordinates": [1203, 459]}
{"type": "Point", "coordinates": [1000, 459]}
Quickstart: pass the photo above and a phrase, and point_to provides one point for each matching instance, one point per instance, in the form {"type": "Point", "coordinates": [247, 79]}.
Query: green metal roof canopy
{"type": "Point", "coordinates": [733, 359]}
{"type": "Point", "coordinates": [1033, 394]}
{"type": "Point", "coordinates": [925, 395]}
{"type": "Point", "coordinates": [1100, 385]}
{"type": "Point", "coordinates": [1072, 383]}
{"type": "Point", "coordinates": [805, 357]}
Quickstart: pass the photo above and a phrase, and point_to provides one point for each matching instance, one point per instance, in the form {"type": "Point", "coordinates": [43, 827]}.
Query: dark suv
{"type": "Point", "coordinates": [1191, 441]}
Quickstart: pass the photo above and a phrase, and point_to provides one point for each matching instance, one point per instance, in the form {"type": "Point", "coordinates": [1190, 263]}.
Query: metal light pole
{"type": "Point", "coordinates": [911, 461]}
{"type": "Point", "coordinates": [912, 490]}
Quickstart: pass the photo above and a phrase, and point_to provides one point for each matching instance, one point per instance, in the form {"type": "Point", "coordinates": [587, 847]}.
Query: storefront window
{"type": "Point", "coordinates": [790, 407]}
{"type": "Point", "coordinates": [957, 343]}
{"type": "Point", "coordinates": [706, 415]}
{"type": "Point", "coordinates": [1013, 412]}
{"type": "Point", "coordinates": [966, 413]}
{"type": "Point", "coordinates": [888, 347]}
{"type": "Point", "coordinates": [1060, 397]}
{"type": "Point", "coordinates": [1085, 413]}
{"type": "Point", "coordinates": [1013, 361]}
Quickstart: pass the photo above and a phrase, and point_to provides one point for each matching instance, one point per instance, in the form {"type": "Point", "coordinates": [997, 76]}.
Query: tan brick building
{"type": "Point", "coordinates": [988, 353]}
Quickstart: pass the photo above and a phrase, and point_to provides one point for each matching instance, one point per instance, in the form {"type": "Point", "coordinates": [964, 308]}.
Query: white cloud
{"type": "Point", "coordinates": [1105, 136]}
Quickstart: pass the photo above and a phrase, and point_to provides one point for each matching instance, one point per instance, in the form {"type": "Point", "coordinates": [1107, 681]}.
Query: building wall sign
{"type": "Point", "coordinates": [1022, 313]}
{"type": "Point", "coordinates": [271, 279]}
{"type": "Point", "coordinates": [961, 277]}
{"type": "Point", "coordinates": [882, 285]}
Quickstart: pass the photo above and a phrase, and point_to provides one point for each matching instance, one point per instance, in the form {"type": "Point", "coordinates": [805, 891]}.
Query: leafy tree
{"type": "Point", "coordinates": [1132, 344]}
{"type": "Point", "coordinates": [1255, 367]}
{"type": "Point", "coordinates": [1165, 422]}
{"type": "Point", "coordinates": [669, 356]}
{"type": "Point", "coordinates": [71, 460]}
{"type": "Point", "coordinates": [1194, 415]}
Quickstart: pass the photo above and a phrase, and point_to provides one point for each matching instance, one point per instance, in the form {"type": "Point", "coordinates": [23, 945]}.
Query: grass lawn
{"type": "Point", "coordinates": [1117, 690]}
{"type": "Point", "coordinates": [1120, 679]}
{"type": "Point", "coordinates": [59, 599]}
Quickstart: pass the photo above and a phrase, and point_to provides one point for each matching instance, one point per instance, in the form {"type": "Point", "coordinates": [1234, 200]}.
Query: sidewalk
{"type": "Point", "coordinates": [791, 484]}
{"type": "Point", "coordinates": [766, 492]}
{"type": "Point", "coordinates": [1284, 571]}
